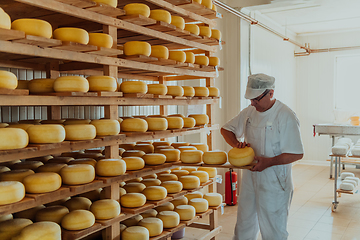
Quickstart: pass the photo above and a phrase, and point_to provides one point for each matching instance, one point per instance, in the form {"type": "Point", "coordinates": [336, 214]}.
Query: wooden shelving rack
{"type": "Point", "coordinates": [21, 51]}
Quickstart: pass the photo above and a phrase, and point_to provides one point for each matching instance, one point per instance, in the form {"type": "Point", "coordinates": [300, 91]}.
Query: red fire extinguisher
{"type": "Point", "coordinates": [230, 187]}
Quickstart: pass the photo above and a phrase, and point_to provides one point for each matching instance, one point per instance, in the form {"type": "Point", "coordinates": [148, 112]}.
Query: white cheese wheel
{"type": "Point", "coordinates": [11, 192]}
{"type": "Point", "coordinates": [161, 143]}
{"type": "Point", "coordinates": [33, 165]}
{"type": "Point", "coordinates": [149, 213]}
{"type": "Point", "coordinates": [6, 217]}
{"type": "Point", "coordinates": [215, 157]}
{"type": "Point", "coordinates": [200, 119]}
{"type": "Point", "coordinates": [134, 187]}
{"type": "Point", "coordinates": [175, 122]}
{"type": "Point", "coordinates": [136, 48]}
{"type": "Point", "coordinates": [191, 156]}
{"type": "Point", "coordinates": [110, 167]}
{"type": "Point", "coordinates": [78, 220]}
{"type": "Point", "coordinates": [71, 34]}
{"type": "Point", "coordinates": [214, 199]}
{"type": "Point", "coordinates": [132, 200]}
{"type": "Point", "coordinates": [170, 218]}
{"type": "Point", "coordinates": [211, 171]}
{"type": "Point", "coordinates": [241, 156]}
{"type": "Point", "coordinates": [346, 174]}
{"type": "Point", "coordinates": [189, 169]}
{"type": "Point", "coordinates": [159, 52]}
{"type": "Point", "coordinates": [132, 221]}
{"type": "Point", "coordinates": [214, 61]}
{"type": "Point", "coordinates": [180, 173]}
{"type": "Point", "coordinates": [205, 31]}
{"type": "Point", "coordinates": [151, 182]}
{"type": "Point", "coordinates": [47, 133]}
{"type": "Point", "coordinates": [13, 138]}
{"type": "Point", "coordinates": [160, 15]}
{"type": "Point", "coordinates": [167, 177]}
{"type": "Point", "coordinates": [201, 91]}
{"type": "Point", "coordinates": [40, 230]}
{"type": "Point", "coordinates": [189, 122]}
{"type": "Point", "coordinates": [42, 85]}
{"type": "Point", "coordinates": [165, 207]}
{"type": "Point", "coordinates": [77, 174]}
{"type": "Point", "coordinates": [134, 163]}
{"type": "Point", "coordinates": [207, 3]}
{"type": "Point", "coordinates": [133, 153]}
{"type": "Point", "coordinates": [172, 186]}
{"type": "Point", "coordinates": [202, 175]}
{"type": "Point", "coordinates": [178, 22]}
{"type": "Point", "coordinates": [102, 83]}
{"type": "Point", "coordinates": [145, 147]}
{"type": "Point", "coordinates": [76, 121]}
{"type": "Point", "coordinates": [202, 60]}
{"type": "Point", "coordinates": [190, 182]}
{"type": "Point", "coordinates": [101, 39]}
{"type": "Point", "coordinates": [42, 182]}
{"type": "Point", "coordinates": [200, 146]}
{"type": "Point", "coordinates": [175, 91]}
{"type": "Point", "coordinates": [178, 56]}
{"type": "Point", "coordinates": [12, 227]}
{"type": "Point", "coordinates": [34, 27]}
{"type": "Point", "coordinates": [215, 33]}
{"type": "Point", "coordinates": [188, 91]}
{"type": "Point", "coordinates": [172, 155]}
{"type": "Point", "coordinates": [5, 20]}
{"type": "Point", "coordinates": [134, 125]}
{"type": "Point", "coordinates": [16, 175]}
{"type": "Point", "coordinates": [200, 204]}
{"type": "Point", "coordinates": [135, 233]}
{"type": "Point", "coordinates": [186, 212]}
{"type": "Point", "coordinates": [71, 84]}
{"type": "Point", "coordinates": [157, 124]}
{"type": "Point", "coordinates": [80, 132]}
{"type": "Point", "coordinates": [180, 201]}
{"type": "Point", "coordinates": [8, 80]}
{"type": "Point", "coordinates": [157, 89]}
{"type": "Point", "coordinates": [347, 186]}
{"type": "Point", "coordinates": [106, 127]}
{"type": "Point", "coordinates": [192, 28]}
{"type": "Point", "coordinates": [105, 209]}
{"type": "Point", "coordinates": [78, 203]}
{"type": "Point", "coordinates": [51, 214]}
{"type": "Point", "coordinates": [155, 193]}
{"type": "Point", "coordinates": [356, 179]}
{"type": "Point", "coordinates": [154, 158]}
{"type": "Point", "coordinates": [153, 224]}
{"type": "Point", "coordinates": [196, 194]}
{"type": "Point", "coordinates": [137, 9]}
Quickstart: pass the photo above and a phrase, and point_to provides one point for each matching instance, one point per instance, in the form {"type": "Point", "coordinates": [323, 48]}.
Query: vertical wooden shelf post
{"type": "Point", "coordinates": [209, 108]}
{"type": "Point", "coordinates": [163, 108]}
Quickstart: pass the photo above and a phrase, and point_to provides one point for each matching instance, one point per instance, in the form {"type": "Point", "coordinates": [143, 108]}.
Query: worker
{"type": "Point", "coordinates": [272, 129]}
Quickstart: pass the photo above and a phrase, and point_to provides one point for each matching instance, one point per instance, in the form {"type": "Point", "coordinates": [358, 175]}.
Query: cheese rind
{"type": "Point", "coordinates": [106, 127]}
{"type": "Point", "coordinates": [186, 212]}
{"type": "Point", "coordinates": [202, 175]}
{"type": "Point", "coordinates": [215, 157]}
{"type": "Point", "coordinates": [153, 224]}
{"type": "Point", "coordinates": [137, 48]}
{"type": "Point", "coordinates": [170, 218]}
{"type": "Point", "coordinates": [105, 209]}
{"type": "Point", "coordinates": [8, 80]}
{"type": "Point", "coordinates": [78, 220]}
{"type": "Point", "coordinates": [188, 91]}
{"type": "Point", "coordinates": [32, 26]}
{"type": "Point", "coordinates": [159, 51]}
{"type": "Point", "coordinates": [211, 171]}
{"type": "Point", "coordinates": [51, 214]}
{"type": "Point", "coordinates": [207, 3]}
{"type": "Point", "coordinates": [102, 83]}
{"type": "Point", "coordinates": [172, 186]}
{"type": "Point", "coordinates": [172, 155]}
{"type": "Point", "coordinates": [137, 9]}
{"type": "Point", "coordinates": [71, 34]}
{"type": "Point", "coordinates": [241, 156]}
{"type": "Point", "coordinates": [196, 194]}
{"type": "Point", "coordinates": [43, 85]}
{"type": "Point", "coordinates": [165, 207]}
{"type": "Point", "coordinates": [42, 182]}
{"type": "Point", "coordinates": [132, 200]}
{"type": "Point", "coordinates": [192, 28]}
{"type": "Point", "coordinates": [110, 167]}
{"type": "Point", "coordinates": [134, 163]}
{"type": "Point", "coordinates": [189, 122]}
{"type": "Point", "coordinates": [11, 192]}
{"type": "Point", "coordinates": [205, 31]}
{"type": "Point", "coordinates": [190, 57]}
{"type": "Point", "coordinates": [40, 231]}
{"type": "Point", "coordinates": [13, 138]}
{"type": "Point", "coordinates": [201, 91]}
{"type": "Point", "coordinates": [135, 233]}
{"type": "Point", "coordinates": [190, 182]}
{"type": "Point", "coordinates": [180, 201]}
{"type": "Point", "coordinates": [176, 91]}
{"type": "Point", "coordinates": [134, 125]}
{"type": "Point", "coordinates": [71, 84]}
{"type": "Point", "coordinates": [216, 33]}
{"type": "Point", "coordinates": [80, 132]}
{"type": "Point", "coordinates": [191, 156]}
{"type": "Point", "coordinates": [155, 193]}
{"type": "Point", "coordinates": [214, 61]}
{"type": "Point", "coordinates": [158, 89]}
{"type": "Point", "coordinates": [178, 22]}
{"type": "Point", "coordinates": [160, 15]}
{"type": "Point", "coordinates": [101, 39]}
{"type": "Point", "coordinates": [78, 203]}
{"type": "Point", "coordinates": [175, 122]}
{"type": "Point", "coordinates": [200, 204]}
{"type": "Point", "coordinates": [202, 60]}
{"type": "Point", "coordinates": [214, 199]}
{"type": "Point", "coordinates": [154, 158]}
{"type": "Point", "coordinates": [5, 20]}
{"type": "Point", "coordinates": [77, 174]}
{"type": "Point", "coordinates": [200, 119]}
{"type": "Point", "coordinates": [134, 187]}
{"type": "Point", "coordinates": [46, 133]}
{"type": "Point", "coordinates": [178, 56]}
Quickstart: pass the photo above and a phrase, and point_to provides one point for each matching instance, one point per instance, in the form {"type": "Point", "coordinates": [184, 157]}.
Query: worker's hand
{"type": "Point", "coordinates": [261, 164]}
{"type": "Point", "coordinates": [242, 144]}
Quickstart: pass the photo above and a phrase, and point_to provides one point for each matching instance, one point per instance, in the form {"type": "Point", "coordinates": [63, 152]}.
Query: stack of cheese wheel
{"type": "Point", "coordinates": [42, 182]}
{"type": "Point", "coordinates": [133, 153]}
{"type": "Point", "coordinates": [214, 92]}
{"type": "Point", "coordinates": [186, 212]}
{"type": "Point", "coordinates": [214, 61]}
{"type": "Point", "coordinates": [106, 127]}
{"type": "Point", "coordinates": [134, 187]}
{"type": "Point", "coordinates": [137, 9]}
{"type": "Point", "coordinates": [155, 193]}
{"type": "Point", "coordinates": [40, 230]}
{"type": "Point", "coordinates": [71, 84]}
{"type": "Point", "coordinates": [165, 207]}
{"type": "Point", "coordinates": [133, 87]}
{"type": "Point", "coordinates": [200, 119]}
{"type": "Point", "coordinates": [11, 227]}
{"type": "Point", "coordinates": [241, 156]}
{"type": "Point", "coordinates": [134, 163]}
{"type": "Point", "coordinates": [102, 83]}
{"type": "Point", "coordinates": [134, 125]}
{"type": "Point", "coordinates": [200, 146]}
{"type": "Point", "coordinates": [175, 91]}
{"type": "Point", "coordinates": [52, 214]}
{"type": "Point", "coordinates": [43, 85]}
{"type": "Point", "coordinates": [170, 219]}
{"type": "Point", "coordinates": [78, 203]}
{"type": "Point", "coordinates": [216, 34]}
{"type": "Point", "coordinates": [16, 175]}
{"type": "Point", "coordinates": [202, 60]}
{"type": "Point", "coordinates": [80, 132]}
{"type": "Point", "coordinates": [178, 22]}
{"type": "Point", "coordinates": [13, 138]}
{"type": "Point", "coordinates": [157, 89]}
{"type": "Point", "coordinates": [11, 192]}
{"type": "Point", "coordinates": [71, 34]}
{"type": "Point", "coordinates": [216, 157]}
{"type": "Point", "coordinates": [35, 27]}
{"type": "Point", "coordinates": [201, 205]}
{"type": "Point", "coordinates": [5, 20]}
{"type": "Point", "coordinates": [201, 91]}
{"type": "Point", "coordinates": [189, 122]}
{"type": "Point", "coordinates": [154, 158]}
{"type": "Point", "coordinates": [192, 28]}
{"type": "Point", "coordinates": [101, 39]}
{"type": "Point", "coordinates": [159, 51]}
{"type": "Point", "coordinates": [190, 182]}
{"type": "Point", "coordinates": [190, 57]}
{"type": "Point", "coordinates": [178, 56]}
{"type": "Point", "coordinates": [188, 91]}
{"type": "Point", "coordinates": [175, 122]}
{"type": "Point", "coordinates": [191, 156]}
{"type": "Point", "coordinates": [160, 15]}
{"type": "Point", "coordinates": [105, 209]}
{"type": "Point", "coordinates": [214, 199]}
{"type": "Point", "coordinates": [78, 220]}
{"type": "Point", "coordinates": [47, 133]}
{"type": "Point", "coordinates": [172, 186]}
{"type": "Point", "coordinates": [135, 232]}
{"type": "Point", "coordinates": [153, 224]}
{"type": "Point", "coordinates": [137, 48]}
{"type": "Point", "coordinates": [202, 175]}
{"type": "Point", "coordinates": [172, 155]}
{"type": "Point", "coordinates": [110, 167]}
{"type": "Point", "coordinates": [157, 124]}
{"type": "Point", "coordinates": [77, 174]}
{"type": "Point", "coordinates": [180, 201]}
{"type": "Point", "coordinates": [132, 200]}
{"type": "Point", "coordinates": [211, 171]}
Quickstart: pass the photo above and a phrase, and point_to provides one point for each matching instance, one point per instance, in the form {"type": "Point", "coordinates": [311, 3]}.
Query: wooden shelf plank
{"type": "Point", "coordinates": [138, 20]}
{"type": "Point", "coordinates": [160, 202]}
{"type": "Point", "coordinates": [175, 229]}
{"type": "Point", "coordinates": [76, 47]}
{"type": "Point", "coordinates": [107, 51]}
{"type": "Point", "coordinates": [188, 222]}
{"type": "Point", "coordinates": [26, 203]}
{"type": "Point", "coordinates": [205, 214]}
{"type": "Point", "coordinates": [10, 34]}
{"type": "Point", "coordinates": [106, 10]}
{"type": "Point", "coordinates": [39, 41]}
{"type": "Point", "coordinates": [163, 235]}
{"type": "Point", "coordinates": [138, 210]}
{"type": "Point", "coordinates": [79, 3]}
{"type": "Point", "coordinates": [109, 222]}
{"type": "Point", "coordinates": [77, 189]}
{"type": "Point", "coordinates": [18, 92]}
{"type": "Point", "coordinates": [72, 235]}
{"type": "Point", "coordinates": [48, 197]}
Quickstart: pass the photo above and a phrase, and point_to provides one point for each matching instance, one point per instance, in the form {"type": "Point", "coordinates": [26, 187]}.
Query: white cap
{"type": "Point", "coordinates": [257, 84]}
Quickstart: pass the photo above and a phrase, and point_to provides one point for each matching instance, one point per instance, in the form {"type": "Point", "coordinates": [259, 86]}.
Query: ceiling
{"type": "Point", "coordinates": [307, 16]}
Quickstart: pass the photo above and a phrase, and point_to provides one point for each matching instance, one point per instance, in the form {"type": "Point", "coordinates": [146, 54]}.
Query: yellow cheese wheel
{"type": "Point", "coordinates": [80, 132]}
{"type": "Point", "coordinates": [214, 199]}
{"type": "Point", "coordinates": [23, 84]}
{"type": "Point", "coordinates": [189, 122]}
{"type": "Point", "coordinates": [153, 224]}
{"type": "Point", "coordinates": [211, 171]}
{"type": "Point", "coordinates": [160, 15]}
{"type": "Point", "coordinates": [158, 148]}
{"type": "Point", "coordinates": [78, 203]}
{"type": "Point", "coordinates": [70, 34]}
{"type": "Point", "coordinates": [180, 201]}
{"type": "Point", "coordinates": [127, 146]}
{"type": "Point", "coordinates": [110, 167]}
{"type": "Point", "coordinates": [186, 212]}
{"type": "Point", "coordinates": [190, 182]}
{"type": "Point", "coordinates": [132, 221]}
{"type": "Point", "coordinates": [8, 80]}
{"type": "Point", "coordinates": [76, 121]}
{"type": "Point", "coordinates": [132, 200]}
{"type": "Point", "coordinates": [51, 214]}
{"type": "Point", "coordinates": [200, 146]}
{"type": "Point", "coordinates": [40, 230]}
{"type": "Point", "coordinates": [134, 125]}
{"type": "Point", "coordinates": [101, 40]}
{"type": "Point", "coordinates": [133, 87]}
{"type": "Point", "coordinates": [214, 61]}
{"type": "Point", "coordinates": [157, 124]}
{"type": "Point", "coordinates": [112, 3]}
{"type": "Point", "coordinates": [207, 3]}
{"type": "Point", "coordinates": [216, 33]}
{"type": "Point", "coordinates": [164, 172]}
{"type": "Point", "coordinates": [11, 192]}
{"type": "Point", "coordinates": [200, 119]}
{"type": "Point", "coordinates": [241, 156]}
{"type": "Point", "coordinates": [43, 85]}
{"type": "Point", "coordinates": [192, 28]}
{"type": "Point", "coordinates": [190, 57]}
{"type": "Point", "coordinates": [179, 144]}
{"type": "Point", "coordinates": [146, 148]}
{"type": "Point", "coordinates": [137, 48]}
{"type": "Point", "coordinates": [178, 22]}
{"type": "Point", "coordinates": [47, 133]}
{"type": "Point", "coordinates": [201, 205]}
{"type": "Point", "coordinates": [172, 155]}
{"type": "Point", "coordinates": [159, 51]}
{"type": "Point", "coordinates": [202, 60]}
{"type": "Point", "coordinates": [43, 159]}
{"type": "Point", "coordinates": [134, 187]}
{"type": "Point", "coordinates": [170, 218]}
{"type": "Point", "coordinates": [151, 182]}
{"type": "Point", "coordinates": [71, 84]}
{"type": "Point", "coordinates": [106, 127]}
{"type": "Point", "coordinates": [12, 227]}
{"type": "Point", "coordinates": [139, 179]}
{"type": "Point", "coordinates": [51, 167]}
{"type": "Point", "coordinates": [135, 233]}
{"type": "Point", "coordinates": [201, 91]}
{"type": "Point", "coordinates": [176, 91]}
{"type": "Point", "coordinates": [134, 163]}
{"type": "Point", "coordinates": [214, 92]}
{"type": "Point", "coordinates": [60, 160]}
{"type": "Point", "coordinates": [137, 9]}
{"type": "Point", "coordinates": [202, 175]}
{"type": "Point", "coordinates": [105, 209]}
{"type": "Point", "coordinates": [155, 193]}
{"type": "Point", "coordinates": [33, 165]}
{"type": "Point", "coordinates": [102, 83]}
{"type": "Point", "coordinates": [16, 175]}
{"type": "Point", "coordinates": [191, 156]}
{"type": "Point", "coordinates": [167, 177]}
{"type": "Point", "coordinates": [4, 169]}
{"type": "Point", "coordinates": [195, 194]}
{"type": "Point", "coordinates": [133, 153]}
{"type": "Point", "coordinates": [154, 158]}
{"type": "Point", "coordinates": [172, 186]}
{"type": "Point", "coordinates": [158, 89]}
{"type": "Point", "coordinates": [188, 91]}
{"type": "Point", "coordinates": [175, 122]}
{"type": "Point", "coordinates": [215, 157]}
{"type": "Point", "coordinates": [42, 182]}
{"type": "Point", "coordinates": [180, 173]}
{"type": "Point", "coordinates": [149, 213]}
{"type": "Point", "coordinates": [165, 207]}
{"type": "Point", "coordinates": [205, 31]}
{"type": "Point", "coordinates": [88, 161]}
{"type": "Point", "coordinates": [77, 174]}
{"type": "Point", "coordinates": [34, 27]}
{"type": "Point", "coordinates": [189, 169]}
{"type": "Point", "coordinates": [178, 56]}
{"type": "Point", "coordinates": [5, 20]}
{"type": "Point", "coordinates": [78, 220]}
{"type": "Point", "coordinates": [13, 138]}
{"type": "Point", "coordinates": [183, 148]}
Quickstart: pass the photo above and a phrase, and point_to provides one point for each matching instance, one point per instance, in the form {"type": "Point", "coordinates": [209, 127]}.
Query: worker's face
{"type": "Point", "coordinates": [263, 102]}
